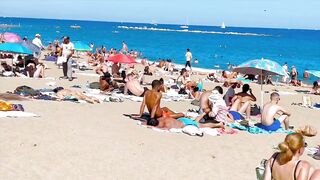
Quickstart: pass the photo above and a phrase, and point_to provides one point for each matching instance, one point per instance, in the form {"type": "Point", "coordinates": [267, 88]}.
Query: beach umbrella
{"type": "Point", "coordinates": [15, 48]}
{"type": "Point", "coordinates": [314, 72]}
{"type": "Point", "coordinates": [121, 58]}
{"type": "Point", "coordinates": [262, 67]}
{"type": "Point", "coordinates": [80, 46]}
{"type": "Point", "coordinates": [10, 37]}
{"type": "Point", "coordinates": [31, 46]}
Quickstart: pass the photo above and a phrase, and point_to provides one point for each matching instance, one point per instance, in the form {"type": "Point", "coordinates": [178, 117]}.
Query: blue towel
{"type": "Point", "coordinates": [257, 130]}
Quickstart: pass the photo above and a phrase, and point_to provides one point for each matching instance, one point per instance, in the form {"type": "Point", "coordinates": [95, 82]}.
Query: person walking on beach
{"type": "Point", "coordinates": [188, 59]}
{"type": "Point", "coordinates": [67, 52]}
{"type": "Point", "coordinates": [37, 41]}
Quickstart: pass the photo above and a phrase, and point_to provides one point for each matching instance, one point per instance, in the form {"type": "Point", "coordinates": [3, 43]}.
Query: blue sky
{"type": "Point", "coordinates": [247, 13]}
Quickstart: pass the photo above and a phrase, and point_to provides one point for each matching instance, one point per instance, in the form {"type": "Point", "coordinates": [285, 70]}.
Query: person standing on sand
{"type": "Point", "coordinates": [188, 59]}
{"type": "Point", "coordinates": [67, 52]}
{"type": "Point", "coordinates": [269, 122]}
{"type": "Point", "coordinates": [37, 41]}
{"type": "Point", "coordinates": [124, 49]}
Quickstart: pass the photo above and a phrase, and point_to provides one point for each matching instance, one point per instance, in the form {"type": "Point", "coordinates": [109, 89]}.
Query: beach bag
{"type": "Point", "coordinates": [61, 60]}
{"type": "Point", "coordinates": [261, 169]}
{"type": "Point", "coordinates": [26, 91]}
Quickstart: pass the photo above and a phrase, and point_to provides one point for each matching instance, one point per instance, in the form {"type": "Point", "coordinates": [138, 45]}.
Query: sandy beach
{"type": "Point", "coordinates": [84, 141]}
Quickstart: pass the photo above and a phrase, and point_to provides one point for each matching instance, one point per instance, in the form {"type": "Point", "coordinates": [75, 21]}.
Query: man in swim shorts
{"type": "Point", "coordinates": [152, 99]}
{"type": "Point", "coordinates": [169, 123]}
{"type": "Point", "coordinates": [269, 122]}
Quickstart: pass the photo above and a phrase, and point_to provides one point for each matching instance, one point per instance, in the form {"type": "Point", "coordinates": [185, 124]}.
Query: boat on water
{"type": "Point", "coordinates": [9, 26]}
{"type": "Point", "coordinates": [75, 27]}
{"type": "Point", "coordinates": [223, 26]}
{"type": "Point", "coordinates": [186, 26]}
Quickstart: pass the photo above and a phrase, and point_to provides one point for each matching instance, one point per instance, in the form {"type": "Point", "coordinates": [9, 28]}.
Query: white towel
{"type": "Point", "coordinates": [16, 114]}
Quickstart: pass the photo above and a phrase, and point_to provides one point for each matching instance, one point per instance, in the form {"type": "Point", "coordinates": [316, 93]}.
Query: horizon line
{"type": "Point", "coordinates": [203, 25]}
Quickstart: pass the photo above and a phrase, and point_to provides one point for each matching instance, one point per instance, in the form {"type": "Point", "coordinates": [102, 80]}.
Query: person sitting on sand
{"type": "Point", "coordinates": [213, 107]}
{"type": "Point", "coordinates": [294, 77]}
{"type": "Point", "coordinates": [286, 164]}
{"type": "Point", "coordinates": [67, 93]}
{"type": "Point", "coordinates": [152, 99]}
{"type": "Point", "coordinates": [243, 99]}
{"type": "Point", "coordinates": [316, 88]}
{"type": "Point", "coordinates": [231, 93]}
{"type": "Point", "coordinates": [106, 83]}
{"type": "Point", "coordinates": [194, 93]}
{"type": "Point", "coordinates": [184, 81]}
{"type": "Point", "coordinates": [133, 87]}
{"type": "Point", "coordinates": [147, 71]}
{"type": "Point", "coordinates": [115, 69]}
{"type": "Point", "coordinates": [269, 121]}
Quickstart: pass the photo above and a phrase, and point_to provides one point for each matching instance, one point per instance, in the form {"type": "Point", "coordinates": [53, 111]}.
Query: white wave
{"type": "Point", "coordinates": [144, 28]}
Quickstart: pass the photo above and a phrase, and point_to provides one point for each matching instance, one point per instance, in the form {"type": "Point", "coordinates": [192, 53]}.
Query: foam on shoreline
{"type": "Point", "coordinates": [144, 28]}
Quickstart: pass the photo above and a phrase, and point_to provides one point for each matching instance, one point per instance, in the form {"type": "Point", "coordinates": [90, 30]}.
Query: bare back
{"type": "Point", "coordinates": [269, 113]}
{"type": "Point", "coordinates": [204, 100]}
{"type": "Point", "coordinates": [152, 100]}
{"type": "Point", "coordinates": [134, 87]}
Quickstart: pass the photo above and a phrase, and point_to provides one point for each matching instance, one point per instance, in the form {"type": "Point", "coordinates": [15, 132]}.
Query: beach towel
{"type": "Point", "coordinates": [257, 130]}
{"type": "Point", "coordinates": [16, 114]}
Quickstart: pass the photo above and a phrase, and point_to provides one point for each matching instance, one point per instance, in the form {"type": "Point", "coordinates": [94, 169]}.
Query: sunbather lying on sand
{"type": "Point", "coordinates": [152, 99]}
{"type": "Point", "coordinates": [269, 121]}
{"type": "Point", "coordinates": [67, 93]}
{"type": "Point", "coordinates": [133, 87]}
{"type": "Point", "coordinates": [170, 123]}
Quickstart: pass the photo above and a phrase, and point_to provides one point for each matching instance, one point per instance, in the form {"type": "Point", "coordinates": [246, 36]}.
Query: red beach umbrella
{"type": "Point", "coordinates": [10, 37]}
{"type": "Point", "coordinates": [121, 58]}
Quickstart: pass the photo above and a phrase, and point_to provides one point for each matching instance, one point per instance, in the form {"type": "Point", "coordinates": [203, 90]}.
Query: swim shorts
{"type": "Point", "coordinates": [236, 115]}
{"type": "Point", "coordinates": [187, 122]}
{"type": "Point", "coordinates": [273, 127]}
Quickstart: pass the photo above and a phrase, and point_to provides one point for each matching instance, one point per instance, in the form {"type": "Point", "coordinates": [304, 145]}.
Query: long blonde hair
{"type": "Point", "coordinates": [288, 148]}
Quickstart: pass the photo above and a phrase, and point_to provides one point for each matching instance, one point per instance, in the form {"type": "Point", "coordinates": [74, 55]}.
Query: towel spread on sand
{"type": "Point", "coordinates": [16, 114]}
{"type": "Point", "coordinates": [256, 130]}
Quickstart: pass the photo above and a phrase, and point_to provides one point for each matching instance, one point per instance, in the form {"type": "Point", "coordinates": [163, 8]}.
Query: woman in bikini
{"type": "Point", "coordinates": [286, 164]}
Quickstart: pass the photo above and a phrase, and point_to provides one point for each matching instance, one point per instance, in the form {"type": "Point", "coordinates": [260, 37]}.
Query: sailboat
{"type": "Point", "coordinates": [186, 26]}
{"type": "Point", "coordinates": [223, 26]}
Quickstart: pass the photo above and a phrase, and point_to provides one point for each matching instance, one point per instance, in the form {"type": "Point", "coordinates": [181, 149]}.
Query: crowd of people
{"type": "Point", "coordinates": [216, 109]}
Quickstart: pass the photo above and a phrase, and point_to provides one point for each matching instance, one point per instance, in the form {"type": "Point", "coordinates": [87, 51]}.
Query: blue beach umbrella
{"type": "Point", "coordinates": [314, 72]}
{"type": "Point", "coordinates": [264, 67]}
{"type": "Point", "coordinates": [80, 46]}
{"type": "Point", "coordinates": [16, 48]}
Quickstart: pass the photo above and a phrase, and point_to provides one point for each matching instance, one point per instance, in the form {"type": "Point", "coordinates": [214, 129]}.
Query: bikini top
{"type": "Point", "coordinates": [295, 168]}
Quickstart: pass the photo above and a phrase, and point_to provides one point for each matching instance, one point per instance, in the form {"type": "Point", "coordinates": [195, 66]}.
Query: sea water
{"type": "Point", "coordinates": [212, 46]}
